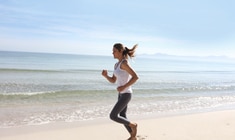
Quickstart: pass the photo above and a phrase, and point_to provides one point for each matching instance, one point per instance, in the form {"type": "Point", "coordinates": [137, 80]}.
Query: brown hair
{"type": "Point", "coordinates": [126, 51]}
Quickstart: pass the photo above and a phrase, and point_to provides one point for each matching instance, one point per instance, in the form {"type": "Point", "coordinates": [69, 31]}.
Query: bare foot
{"type": "Point", "coordinates": [134, 130]}
{"type": "Point", "coordinates": [132, 138]}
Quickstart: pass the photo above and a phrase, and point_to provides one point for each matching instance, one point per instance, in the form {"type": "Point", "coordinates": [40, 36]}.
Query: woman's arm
{"type": "Point", "coordinates": [110, 79]}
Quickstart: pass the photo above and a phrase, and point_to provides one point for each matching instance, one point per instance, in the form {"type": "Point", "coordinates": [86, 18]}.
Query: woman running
{"type": "Point", "coordinates": [125, 76]}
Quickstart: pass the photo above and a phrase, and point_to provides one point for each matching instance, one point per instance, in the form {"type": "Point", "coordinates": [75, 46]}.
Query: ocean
{"type": "Point", "coordinates": [42, 88]}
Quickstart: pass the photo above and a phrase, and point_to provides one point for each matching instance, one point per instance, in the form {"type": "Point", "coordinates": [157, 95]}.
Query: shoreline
{"type": "Point", "coordinates": [216, 125]}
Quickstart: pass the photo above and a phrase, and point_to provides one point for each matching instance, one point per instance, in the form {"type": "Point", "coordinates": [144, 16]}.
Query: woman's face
{"type": "Point", "coordinates": [116, 53]}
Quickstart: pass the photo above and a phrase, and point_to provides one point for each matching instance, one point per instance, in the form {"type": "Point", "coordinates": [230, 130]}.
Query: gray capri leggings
{"type": "Point", "coordinates": [118, 114]}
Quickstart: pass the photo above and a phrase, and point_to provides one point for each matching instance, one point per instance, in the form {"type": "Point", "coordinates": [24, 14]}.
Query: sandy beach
{"type": "Point", "coordinates": [202, 126]}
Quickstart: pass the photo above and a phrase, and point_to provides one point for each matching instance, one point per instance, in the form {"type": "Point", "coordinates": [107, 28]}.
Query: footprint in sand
{"type": "Point", "coordinates": [141, 137]}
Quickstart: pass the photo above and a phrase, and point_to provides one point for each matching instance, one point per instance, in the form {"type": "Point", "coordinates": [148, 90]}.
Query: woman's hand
{"type": "Point", "coordinates": [110, 79]}
{"type": "Point", "coordinates": [105, 73]}
{"type": "Point", "coordinates": [121, 88]}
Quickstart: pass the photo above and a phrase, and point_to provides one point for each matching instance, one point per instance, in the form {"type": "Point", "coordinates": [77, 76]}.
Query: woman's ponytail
{"type": "Point", "coordinates": [130, 52]}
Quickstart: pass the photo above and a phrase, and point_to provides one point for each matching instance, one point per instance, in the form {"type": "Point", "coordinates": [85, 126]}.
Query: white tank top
{"type": "Point", "coordinates": [122, 77]}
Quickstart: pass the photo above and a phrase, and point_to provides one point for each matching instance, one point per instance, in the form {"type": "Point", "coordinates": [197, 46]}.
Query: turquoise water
{"type": "Point", "coordinates": [39, 88]}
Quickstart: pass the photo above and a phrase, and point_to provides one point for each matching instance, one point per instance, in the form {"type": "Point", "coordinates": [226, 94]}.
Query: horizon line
{"type": "Point", "coordinates": [142, 54]}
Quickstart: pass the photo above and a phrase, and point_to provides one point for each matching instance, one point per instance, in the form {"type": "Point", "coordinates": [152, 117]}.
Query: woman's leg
{"type": "Point", "coordinates": [121, 108]}
{"type": "Point", "coordinates": [121, 105]}
{"type": "Point", "coordinates": [123, 114]}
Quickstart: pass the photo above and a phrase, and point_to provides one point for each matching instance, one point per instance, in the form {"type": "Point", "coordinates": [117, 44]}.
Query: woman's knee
{"type": "Point", "coordinates": [113, 116]}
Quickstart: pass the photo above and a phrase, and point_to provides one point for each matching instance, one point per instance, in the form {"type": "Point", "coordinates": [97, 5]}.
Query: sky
{"type": "Point", "coordinates": [174, 27]}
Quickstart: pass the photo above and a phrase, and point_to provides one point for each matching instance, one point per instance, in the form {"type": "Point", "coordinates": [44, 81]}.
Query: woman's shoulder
{"type": "Point", "coordinates": [124, 64]}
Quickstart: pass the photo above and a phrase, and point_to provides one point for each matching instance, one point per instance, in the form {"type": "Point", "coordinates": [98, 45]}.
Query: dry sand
{"type": "Point", "coordinates": [204, 126]}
